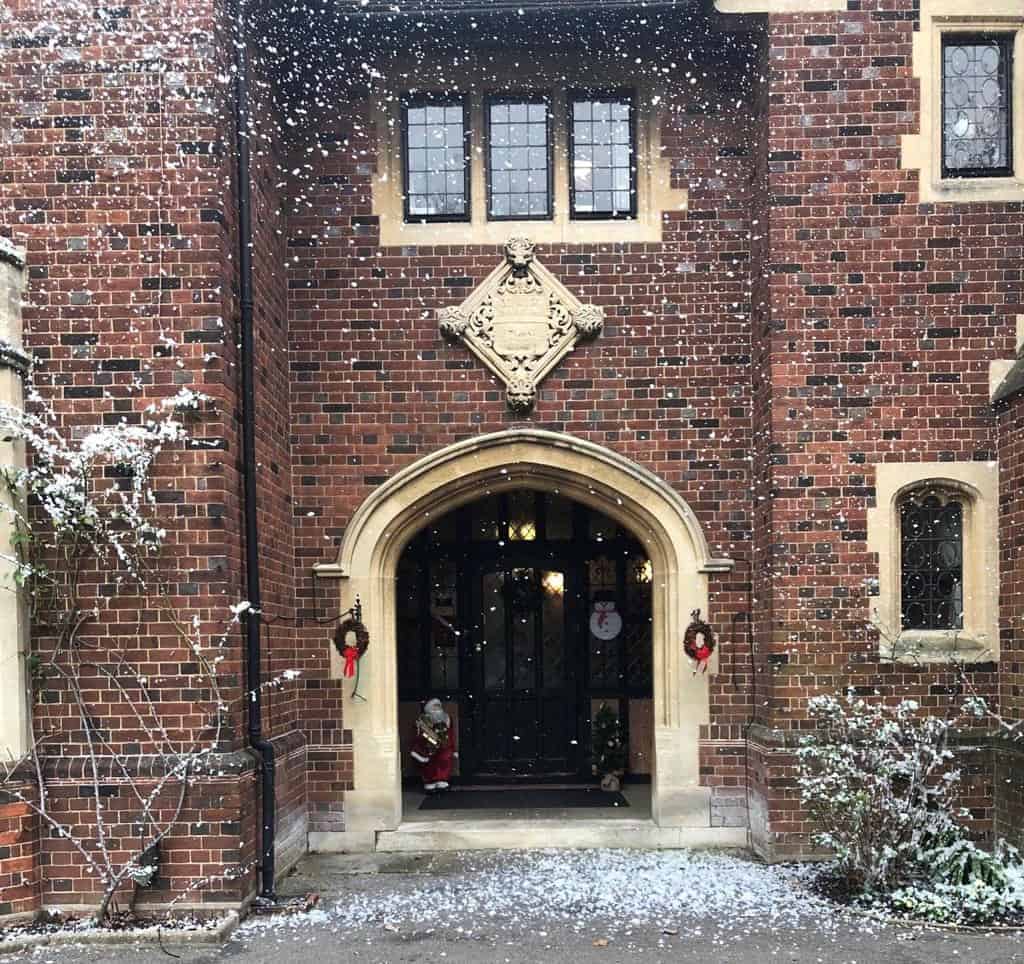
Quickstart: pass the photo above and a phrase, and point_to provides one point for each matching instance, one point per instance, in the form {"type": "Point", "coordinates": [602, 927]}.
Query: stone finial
{"type": "Point", "coordinates": [521, 395]}
{"type": "Point", "coordinates": [519, 253]}
{"type": "Point", "coordinates": [589, 320]}
{"type": "Point", "coordinates": [452, 322]}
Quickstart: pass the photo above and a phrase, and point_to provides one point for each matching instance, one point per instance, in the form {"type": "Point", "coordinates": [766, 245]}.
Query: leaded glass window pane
{"type": "Point", "coordinates": [409, 629]}
{"type": "Point", "coordinates": [603, 158]}
{"type": "Point", "coordinates": [638, 623]}
{"type": "Point", "coordinates": [976, 134]}
{"type": "Point", "coordinates": [931, 556]}
{"type": "Point", "coordinates": [604, 647]}
{"type": "Point", "coordinates": [559, 513]}
{"type": "Point", "coordinates": [436, 161]}
{"type": "Point", "coordinates": [522, 516]}
{"type": "Point", "coordinates": [601, 527]}
{"type": "Point", "coordinates": [518, 160]}
{"type": "Point", "coordinates": [486, 519]}
{"type": "Point", "coordinates": [553, 628]}
{"type": "Point", "coordinates": [444, 633]}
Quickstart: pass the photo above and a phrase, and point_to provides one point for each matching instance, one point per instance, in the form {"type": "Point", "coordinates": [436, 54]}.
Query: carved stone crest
{"type": "Point", "coordinates": [521, 322]}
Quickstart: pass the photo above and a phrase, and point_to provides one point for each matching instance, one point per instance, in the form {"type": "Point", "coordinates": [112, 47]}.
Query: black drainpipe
{"type": "Point", "coordinates": [251, 617]}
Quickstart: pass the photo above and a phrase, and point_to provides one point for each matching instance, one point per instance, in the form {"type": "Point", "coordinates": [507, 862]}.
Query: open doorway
{"type": "Point", "coordinates": [525, 612]}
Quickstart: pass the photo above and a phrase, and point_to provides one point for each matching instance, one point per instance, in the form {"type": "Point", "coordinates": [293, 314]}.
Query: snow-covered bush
{"type": "Point", "coordinates": [965, 884]}
{"type": "Point", "coordinates": [881, 783]}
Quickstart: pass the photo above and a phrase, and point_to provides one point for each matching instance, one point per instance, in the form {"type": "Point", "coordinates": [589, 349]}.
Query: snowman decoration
{"type": "Point", "coordinates": [605, 621]}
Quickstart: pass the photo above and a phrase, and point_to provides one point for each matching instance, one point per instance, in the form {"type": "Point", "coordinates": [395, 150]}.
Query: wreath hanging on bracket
{"type": "Point", "coordinates": [351, 651]}
{"type": "Point", "coordinates": [699, 641]}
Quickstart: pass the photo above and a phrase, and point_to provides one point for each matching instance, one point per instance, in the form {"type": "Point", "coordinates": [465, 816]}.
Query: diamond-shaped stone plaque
{"type": "Point", "coordinates": [521, 322]}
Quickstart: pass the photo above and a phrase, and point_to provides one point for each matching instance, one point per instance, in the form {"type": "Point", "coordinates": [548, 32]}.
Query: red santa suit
{"type": "Point", "coordinates": [433, 747]}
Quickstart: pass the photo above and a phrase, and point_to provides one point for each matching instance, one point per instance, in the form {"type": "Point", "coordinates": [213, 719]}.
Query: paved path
{"type": "Point", "coordinates": [533, 912]}
{"type": "Point", "coordinates": [329, 946]}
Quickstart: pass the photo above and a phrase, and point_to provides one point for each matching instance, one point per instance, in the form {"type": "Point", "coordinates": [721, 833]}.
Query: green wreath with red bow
{"type": "Point", "coordinates": [699, 641]}
{"type": "Point", "coordinates": [351, 650]}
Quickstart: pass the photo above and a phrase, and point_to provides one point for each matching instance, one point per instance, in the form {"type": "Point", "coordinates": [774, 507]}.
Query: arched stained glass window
{"type": "Point", "coordinates": [931, 560]}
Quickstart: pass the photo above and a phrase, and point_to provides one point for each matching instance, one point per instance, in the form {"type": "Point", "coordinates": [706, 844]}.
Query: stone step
{"type": "Point", "coordinates": [429, 837]}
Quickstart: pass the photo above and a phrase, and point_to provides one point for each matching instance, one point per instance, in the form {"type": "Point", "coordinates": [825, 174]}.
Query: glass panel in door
{"type": "Point", "coordinates": [526, 707]}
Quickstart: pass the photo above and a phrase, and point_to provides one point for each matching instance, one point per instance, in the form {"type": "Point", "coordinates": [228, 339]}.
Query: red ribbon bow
{"type": "Point", "coordinates": [351, 654]}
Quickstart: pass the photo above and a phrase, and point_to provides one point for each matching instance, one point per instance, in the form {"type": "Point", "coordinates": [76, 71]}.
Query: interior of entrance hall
{"type": "Point", "coordinates": [524, 612]}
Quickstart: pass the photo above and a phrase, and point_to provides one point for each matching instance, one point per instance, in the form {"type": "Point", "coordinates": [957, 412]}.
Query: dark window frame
{"type": "Point", "coordinates": [1005, 40]}
{"type": "Point", "coordinates": [918, 498]}
{"type": "Point", "coordinates": [625, 94]}
{"type": "Point", "coordinates": [521, 97]}
{"type": "Point", "coordinates": [426, 99]}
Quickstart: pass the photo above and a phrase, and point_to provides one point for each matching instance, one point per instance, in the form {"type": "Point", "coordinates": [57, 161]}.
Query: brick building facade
{"type": "Point", "coordinates": [809, 318]}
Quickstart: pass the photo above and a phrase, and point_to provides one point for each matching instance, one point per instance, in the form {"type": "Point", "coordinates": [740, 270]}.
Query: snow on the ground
{"type": "Point", "coordinates": [41, 939]}
{"type": "Point", "coordinates": [678, 891]}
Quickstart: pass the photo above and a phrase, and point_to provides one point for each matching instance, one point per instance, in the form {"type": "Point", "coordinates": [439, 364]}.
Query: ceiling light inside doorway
{"type": "Point", "coordinates": [554, 583]}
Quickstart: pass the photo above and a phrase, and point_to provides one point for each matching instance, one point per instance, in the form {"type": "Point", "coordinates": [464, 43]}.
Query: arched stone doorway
{"type": "Point", "coordinates": [506, 462]}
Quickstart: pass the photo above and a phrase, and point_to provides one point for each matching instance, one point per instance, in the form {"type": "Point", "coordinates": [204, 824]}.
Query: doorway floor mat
{"type": "Point", "coordinates": [523, 798]}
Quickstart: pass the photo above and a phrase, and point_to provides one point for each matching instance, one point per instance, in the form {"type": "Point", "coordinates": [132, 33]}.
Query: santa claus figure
{"type": "Point", "coordinates": [433, 747]}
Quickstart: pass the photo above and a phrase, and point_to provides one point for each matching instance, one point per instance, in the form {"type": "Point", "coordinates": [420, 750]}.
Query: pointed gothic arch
{"type": "Point", "coordinates": [580, 470]}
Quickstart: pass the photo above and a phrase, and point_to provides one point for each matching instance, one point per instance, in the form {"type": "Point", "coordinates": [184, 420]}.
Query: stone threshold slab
{"type": "Point", "coordinates": [431, 837]}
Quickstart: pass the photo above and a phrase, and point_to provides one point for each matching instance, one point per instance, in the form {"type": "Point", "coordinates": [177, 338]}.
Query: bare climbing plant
{"type": "Point", "coordinates": [86, 535]}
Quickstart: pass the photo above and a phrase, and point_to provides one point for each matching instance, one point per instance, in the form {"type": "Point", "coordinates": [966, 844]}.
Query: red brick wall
{"type": "Point", "coordinates": [804, 320]}
{"type": "Point", "coordinates": [374, 387]}
{"type": "Point", "coordinates": [215, 834]}
{"type": "Point", "coordinates": [112, 174]}
{"type": "Point", "coordinates": [275, 482]}
{"type": "Point", "coordinates": [1011, 553]}
{"type": "Point", "coordinates": [870, 361]}
{"type": "Point", "coordinates": [19, 857]}
{"type": "Point", "coordinates": [1009, 775]}
{"type": "Point", "coordinates": [291, 780]}
{"type": "Point", "coordinates": [276, 472]}
{"type": "Point", "coordinates": [127, 269]}
{"type": "Point", "coordinates": [884, 315]}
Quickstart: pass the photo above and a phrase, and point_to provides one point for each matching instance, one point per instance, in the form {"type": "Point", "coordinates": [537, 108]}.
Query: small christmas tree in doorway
{"type": "Point", "coordinates": [610, 752]}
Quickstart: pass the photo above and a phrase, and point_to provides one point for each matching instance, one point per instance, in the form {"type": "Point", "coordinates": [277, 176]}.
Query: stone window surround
{"type": "Point", "coordinates": [977, 485]}
{"type": "Point", "coordinates": [654, 191]}
{"type": "Point", "coordinates": [923, 151]}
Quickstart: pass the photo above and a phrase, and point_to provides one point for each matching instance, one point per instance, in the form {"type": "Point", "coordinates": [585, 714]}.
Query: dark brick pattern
{"type": "Point", "coordinates": [1009, 764]}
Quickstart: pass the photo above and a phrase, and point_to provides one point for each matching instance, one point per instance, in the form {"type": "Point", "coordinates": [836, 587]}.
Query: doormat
{"type": "Point", "coordinates": [523, 799]}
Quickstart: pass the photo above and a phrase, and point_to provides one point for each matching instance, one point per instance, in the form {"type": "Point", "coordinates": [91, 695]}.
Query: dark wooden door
{"type": "Point", "coordinates": [524, 699]}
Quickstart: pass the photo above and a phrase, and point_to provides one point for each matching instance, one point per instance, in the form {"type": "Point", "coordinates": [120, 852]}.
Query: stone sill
{"type": "Point", "coordinates": [558, 231]}
{"type": "Point", "coordinates": [937, 647]}
{"type": "Point", "coordinates": [975, 190]}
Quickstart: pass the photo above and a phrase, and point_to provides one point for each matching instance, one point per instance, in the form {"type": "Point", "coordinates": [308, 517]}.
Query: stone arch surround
{"type": "Point", "coordinates": [547, 461]}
